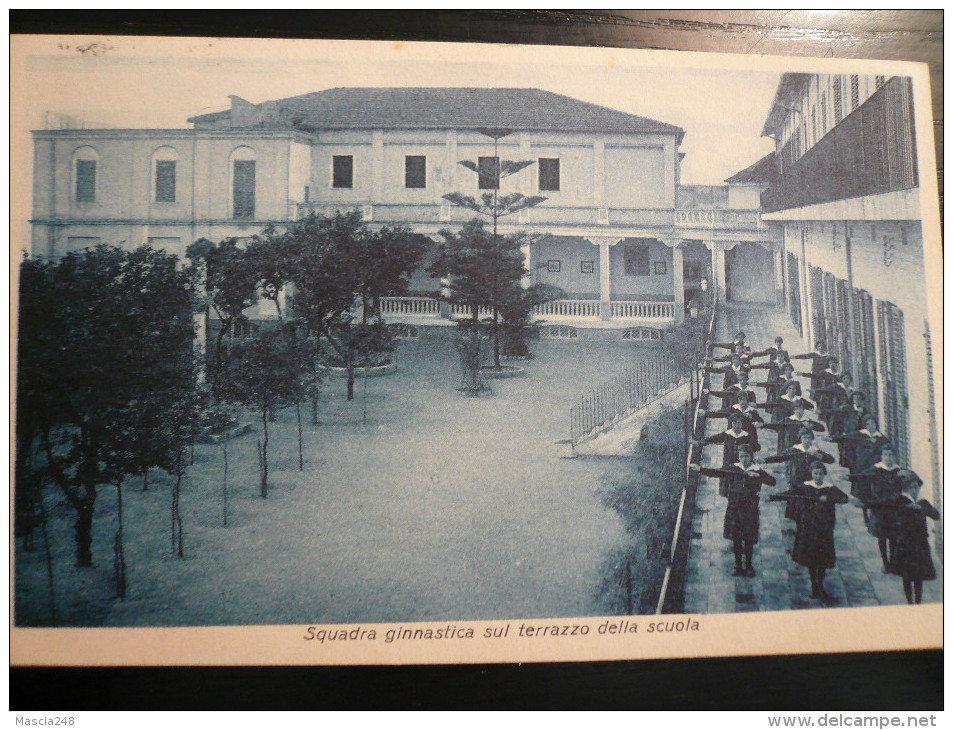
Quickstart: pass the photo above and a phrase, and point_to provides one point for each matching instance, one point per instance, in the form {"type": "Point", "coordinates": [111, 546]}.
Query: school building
{"type": "Point", "coordinates": [845, 193]}
{"type": "Point", "coordinates": [618, 232]}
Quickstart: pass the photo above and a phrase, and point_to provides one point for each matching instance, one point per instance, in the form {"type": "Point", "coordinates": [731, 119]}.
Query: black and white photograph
{"type": "Point", "coordinates": [538, 353]}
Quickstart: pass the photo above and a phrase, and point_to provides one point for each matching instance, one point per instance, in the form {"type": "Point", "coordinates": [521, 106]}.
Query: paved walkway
{"type": "Point", "coordinates": [780, 584]}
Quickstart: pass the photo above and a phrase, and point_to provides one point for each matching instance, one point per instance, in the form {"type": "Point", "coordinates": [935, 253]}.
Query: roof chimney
{"type": "Point", "coordinates": [244, 113]}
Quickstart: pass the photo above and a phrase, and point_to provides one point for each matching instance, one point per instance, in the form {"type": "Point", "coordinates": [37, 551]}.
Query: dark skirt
{"type": "Point", "coordinates": [882, 523]}
{"type": "Point", "coordinates": [742, 518]}
{"type": "Point", "coordinates": [912, 558]}
{"type": "Point", "coordinates": [814, 539]}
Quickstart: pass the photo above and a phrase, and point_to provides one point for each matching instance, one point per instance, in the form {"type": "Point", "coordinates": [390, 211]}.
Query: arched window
{"type": "Point", "coordinates": [242, 172]}
{"type": "Point", "coordinates": [163, 174]}
{"type": "Point", "coordinates": [85, 161]}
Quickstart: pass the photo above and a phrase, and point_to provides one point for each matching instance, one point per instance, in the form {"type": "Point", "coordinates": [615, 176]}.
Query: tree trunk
{"type": "Point", "coordinates": [350, 379]}
{"type": "Point", "coordinates": [145, 481]}
{"type": "Point", "coordinates": [263, 454]}
{"type": "Point", "coordinates": [49, 558]}
{"type": "Point", "coordinates": [84, 534]}
{"type": "Point", "coordinates": [300, 438]}
{"type": "Point", "coordinates": [314, 410]}
{"type": "Point", "coordinates": [119, 556]}
{"type": "Point", "coordinates": [177, 539]}
{"type": "Point", "coordinates": [364, 418]}
{"type": "Point", "coordinates": [225, 483]}
{"type": "Point", "coordinates": [496, 339]}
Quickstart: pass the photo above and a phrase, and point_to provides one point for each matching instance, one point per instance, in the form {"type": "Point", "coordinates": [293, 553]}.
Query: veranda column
{"type": "Point", "coordinates": [377, 145]}
{"type": "Point", "coordinates": [527, 280]}
{"type": "Point", "coordinates": [605, 281]}
{"type": "Point", "coordinates": [718, 269]}
{"type": "Point", "coordinates": [678, 274]}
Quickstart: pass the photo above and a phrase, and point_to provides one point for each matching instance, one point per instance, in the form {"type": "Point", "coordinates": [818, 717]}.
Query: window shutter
{"type": "Point", "coordinates": [85, 181]}
{"type": "Point", "coordinates": [243, 190]}
{"type": "Point", "coordinates": [489, 173]}
{"type": "Point", "coordinates": [165, 181]}
{"type": "Point", "coordinates": [415, 171]}
{"type": "Point", "coordinates": [548, 173]}
{"type": "Point", "coordinates": [343, 171]}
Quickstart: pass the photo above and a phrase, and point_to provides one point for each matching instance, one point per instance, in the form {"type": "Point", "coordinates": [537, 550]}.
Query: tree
{"type": "Point", "coordinates": [481, 270]}
{"type": "Point", "coordinates": [270, 260]}
{"type": "Point", "coordinates": [493, 206]}
{"type": "Point", "coordinates": [386, 261]}
{"type": "Point", "coordinates": [326, 279]}
{"type": "Point", "coordinates": [267, 372]}
{"type": "Point", "coordinates": [515, 309]}
{"type": "Point", "coordinates": [98, 329]}
{"type": "Point", "coordinates": [224, 277]}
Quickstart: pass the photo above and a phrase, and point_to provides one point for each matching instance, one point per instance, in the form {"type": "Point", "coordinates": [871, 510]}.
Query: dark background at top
{"type": "Point", "coordinates": [874, 681]}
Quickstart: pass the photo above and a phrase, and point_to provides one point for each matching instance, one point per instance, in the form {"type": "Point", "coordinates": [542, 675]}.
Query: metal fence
{"type": "Point", "coordinates": [620, 396]}
{"type": "Point", "coordinates": [672, 595]}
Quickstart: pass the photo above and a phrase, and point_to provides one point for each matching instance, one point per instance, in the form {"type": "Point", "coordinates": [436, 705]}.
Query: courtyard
{"type": "Point", "coordinates": [439, 507]}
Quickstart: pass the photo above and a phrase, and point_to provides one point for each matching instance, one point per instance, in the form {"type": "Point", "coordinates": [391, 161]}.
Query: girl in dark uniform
{"type": "Point", "coordinates": [784, 406]}
{"type": "Point", "coordinates": [814, 502]}
{"type": "Point", "coordinates": [742, 518]}
{"type": "Point", "coordinates": [732, 376]}
{"type": "Point", "coordinates": [775, 352]}
{"type": "Point", "coordinates": [799, 459]}
{"type": "Point", "coordinates": [912, 558]}
{"type": "Point", "coordinates": [882, 484]}
{"type": "Point", "coordinates": [729, 396]}
{"type": "Point", "coordinates": [734, 437]}
{"type": "Point", "coordinates": [819, 358]}
{"type": "Point", "coordinates": [737, 347]}
{"type": "Point", "coordinates": [789, 429]}
{"type": "Point", "coordinates": [821, 383]}
{"type": "Point", "coordinates": [860, 449]}
{"type": "Point", "coordinates": [838, 402]}
{"type": "Point", "coordinates": [774, 390]}
{"type": "Point", "coordinates": [743, 407]}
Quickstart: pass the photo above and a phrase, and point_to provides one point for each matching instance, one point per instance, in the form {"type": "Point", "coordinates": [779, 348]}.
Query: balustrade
{"type": "Point", "coordinates": [568, 308]}
{"type": "Point", "coordinates": [643, 310]}
{"type": "Point", "coordinates": [410, 306]}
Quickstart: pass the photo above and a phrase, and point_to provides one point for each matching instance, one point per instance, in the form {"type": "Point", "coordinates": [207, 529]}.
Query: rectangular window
{"type": "Point", "coordinates": [165, 181]}
{"type": "Point", "coordinates": [854, 92]}
{"type": "Point", "coordinates": [343, 171]}
{"type": "Point", "coordinates": [489, 173]}
{"type": "Point", "coordinates": [838, 100]}
{"type": "Point", "coordinates": [85, 181]}
{"type": "Point", "coordinates": [636, 259]}
{"type": "Point", "coordinates": [880, 81]}
{"type": "Point", "coordinates": [549, 173]}
{"type": "Point", "coordinates": [415, 171]}
{"type": "Point", "coordinates": [243, 189]}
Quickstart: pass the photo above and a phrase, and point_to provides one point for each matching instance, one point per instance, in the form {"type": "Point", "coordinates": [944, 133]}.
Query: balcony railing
{"type": "Point", "coordinates": [410, 306]}
{"type": "Point", "coordinates": [554, 217]}
{"type": "Point", "coordinates": [568, 308]}
{"type": "Point", "coordinates": [720, 218]}
{"type": "Point", "coordinates": [871, 151]}
{"type": "Point", "coordinates": [643, 310]}
{"type": "Point", "coordinates": [578, 309]}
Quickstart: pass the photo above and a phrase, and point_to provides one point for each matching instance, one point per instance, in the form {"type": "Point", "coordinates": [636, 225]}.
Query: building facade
{"type": "Point", "coordinates": [847, 198]}
{"type": "Point", "coordinates": [616, 232]}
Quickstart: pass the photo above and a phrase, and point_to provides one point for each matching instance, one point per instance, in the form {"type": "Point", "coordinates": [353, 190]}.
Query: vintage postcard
{"type": "Point", "coordinates": [379, 353]}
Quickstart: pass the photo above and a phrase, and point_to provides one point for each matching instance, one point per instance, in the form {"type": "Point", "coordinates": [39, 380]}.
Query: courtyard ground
{"type": "Point", "coordinates": [441, 507]}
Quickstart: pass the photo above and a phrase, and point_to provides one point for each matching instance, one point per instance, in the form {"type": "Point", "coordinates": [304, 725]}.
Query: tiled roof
{"type": "Point", "coordinates": [763, 172]}
{"type": "Point", "coordinates": [449, 108]}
